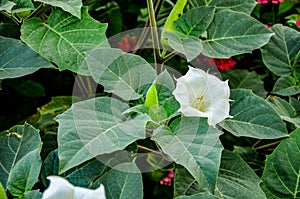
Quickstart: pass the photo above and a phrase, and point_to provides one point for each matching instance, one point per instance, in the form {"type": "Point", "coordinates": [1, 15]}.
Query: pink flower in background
{"type": "Point", "coordinates": [298, 22]}
{"type": "Point", "coordinates": [267, 1]}
{"type": "Point", "coordinates": [168, 179]}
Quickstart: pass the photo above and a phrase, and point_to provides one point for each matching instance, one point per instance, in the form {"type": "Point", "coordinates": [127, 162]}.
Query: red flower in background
{"type": "Point", "coordinates": [127, 44]}
{"type": "Point", "coordinates": [168, 179]}
{"type": "Point", "coordinates": [267, 1]}
{"type": "Point", "coordinates": [298, 22]}
{"type": "Point", "coordinates": [224, 64]}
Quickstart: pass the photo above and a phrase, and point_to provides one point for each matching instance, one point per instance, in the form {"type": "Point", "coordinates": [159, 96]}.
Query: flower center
{"type": "Point", "coordinates": [200, 104]}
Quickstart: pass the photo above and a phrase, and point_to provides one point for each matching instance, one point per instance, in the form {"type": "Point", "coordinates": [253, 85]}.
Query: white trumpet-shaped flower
{"type": "Point", "coordinates": [203, 95]}
{"type": "Point", "coordinates": [60, 188]}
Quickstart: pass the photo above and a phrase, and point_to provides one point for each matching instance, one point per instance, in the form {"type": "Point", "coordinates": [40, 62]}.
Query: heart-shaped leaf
{"type": "Point", "coordinates": [286, 86]}
{"type": "Point", "coordinates": [280, 53]}
{"type": "Point", "coordinates": [196, 146]}
{"type": "Point", "coordinates": [15, 64]}
{"type": "Point", "coordinates": [123, 74]}
{"type": "Point", "coordinates": [282, 170]}
{"type": "Point", "coordinates": [19, 144]}
{"type": "Point", "coordinates": [94, 127]}
{"type": "Point", "coordinates": [253, 117]}
{"type": "Point", "coordinates": [65, 39]}
{"type": "Point", "coordinates": [233, 33]}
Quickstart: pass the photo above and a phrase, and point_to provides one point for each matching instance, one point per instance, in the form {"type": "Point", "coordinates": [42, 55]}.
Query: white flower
{"type": "Point", "coordinates": [203, 95]}
{"type": "Point", "coordinates": [60, 188]}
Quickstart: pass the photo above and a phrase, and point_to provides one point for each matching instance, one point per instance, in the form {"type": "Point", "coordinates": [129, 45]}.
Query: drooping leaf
{"type": "Point", "coordinates": [122, 182]}
{"type": "Point", "coordinates": [15, 144]}
{"type": "Point", "coordinates": [282, 170]}
{"type": "Point", "coordinates": [286, 86]}
{"type": "Point", "coordinates": [25, 173]}
{"type": "Point", "coordinates": [73, 7]}
{"type": "Point", "coordinates": [195, 21]}
{"type": "Point", "coordinates": [240, 78]}
{"type": "Point", "coordinates": [22, 5]}
{"type": "Point", "coordinates": [94, 127]}
{"type": "Point", "coordinates": [285, 110]}
{"type": "Point", "coordinates": [233, 33]}
{"type": "Point", "coordinates": [65, 39]}
{"type": "Point", "coordinates": [253, 117]}
{"type": "Point", "coordinates": [189, 46]}
{"type": "Point", "coordinates": [194, 145]}
{"type": "Point", "coordinates": [280, 53]}
{"type": "Point", "coordinates": [245, 6]}
{"type": "Point", "coordinates": [123, 74]}
{"type": "Point", "coordinates": [15, 64]}
{"type": "Point", "coordinates": [236, 179]}
{"type": "Point", "coordinates": [81, 176]}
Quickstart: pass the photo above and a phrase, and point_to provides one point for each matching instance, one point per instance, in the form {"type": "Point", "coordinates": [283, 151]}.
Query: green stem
{"type": "Point", "coordinates": [18, 22]}
{"type": "Point", "coordinates": [154, 36]}
{"type": "Point", "coordinates": [41, 9]}
{"type": "Point", "coordinates": [267, 145]}
{"type": "Point", "coordinates": [143, 148]}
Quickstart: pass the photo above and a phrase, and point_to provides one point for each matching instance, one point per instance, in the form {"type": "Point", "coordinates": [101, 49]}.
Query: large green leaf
{"type": "Point", "coordinates": [196, 146]}
{"type": "Point", "coordinates": [22, 5]}
{"type": "Point", "coordinates": [122, 182]}
{"type": "Point", "coordinates": [236, 179]}
{"type": "Point", "coordinates": [280, 53]}
{"type": "Point", "coordinates": [2, 192]}
{"type": "Point", "coordinates": [286, 86]}
{"type": "Point", "coordinates": [253, 117]}
{"type": "Point", "coordinates": [245, 6]}
{"type": "Point", "coordinates": [6, 5]}
{"type": "Point", "coordinates": [15, 64]}
{"type": "Point", "coordinates": [35, 194]}
{"type": "Point", "coordinates": [65, 39]}
{"type": "Point", "coordinates": [25, 173]}
{"type": "Point", "coordinates": [73, 7]}
{"type": "Point", "coordinates": [94, 127]}
{"type": "Point", "coordinates": [14, 146]}
{"type": "Point", "coordinates": [81, 176]}
{"type": "Point", "coordinates": [195, 21]}
{"type": "Point", "coordinates": [282, 171]}
{"type": "Point", "coordinates": [233, 33]}
{"type": "Point", "coordinates": [123, 74]}
{"type": "Point", "coordinates": [240, 78]}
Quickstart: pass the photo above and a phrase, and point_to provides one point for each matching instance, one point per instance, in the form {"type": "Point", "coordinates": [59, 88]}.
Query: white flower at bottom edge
{"type": "Point", "coordinates": [60, 188]}
{"type": "Point", "coordinates": [203, 95]}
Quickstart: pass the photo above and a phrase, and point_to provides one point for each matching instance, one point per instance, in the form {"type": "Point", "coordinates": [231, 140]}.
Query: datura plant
{"type": "Point", "coordinates": [147, 112]}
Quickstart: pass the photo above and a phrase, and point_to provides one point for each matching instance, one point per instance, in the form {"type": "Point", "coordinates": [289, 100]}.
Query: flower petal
{"type": "Point", "coordinates": [83, 193]}
{"type": "Point", "coordinates": [59, 188]}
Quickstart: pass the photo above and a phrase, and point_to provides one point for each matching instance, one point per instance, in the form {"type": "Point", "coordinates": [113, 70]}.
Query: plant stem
{"type": "Point", "coordinates": [18, 22]}
{"type": "Point", "coordinates": [154, 36]}
{"type": "Point", "coordinates": [267, 145]}
{"type": "Point", "coordinates": [148, 149]}
{"type": "Point", "coordinates": [41, 9]}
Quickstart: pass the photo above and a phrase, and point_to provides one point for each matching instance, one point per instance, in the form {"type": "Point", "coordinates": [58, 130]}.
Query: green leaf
{"type": "Point", "coordinates": [122, 182]}
{"type": "Point", "coordinates": [189, 46]}
{"type": "Point", "coordinates": [286, 86]}
{"type": "Point", "coordinates": [22, 5]}
{"type": "Point", "coordinates": [174, 14]}
{"type": "Point", "coordinates": [94, 127]}
{"type": "Point", "coordinates": [282, 170]}
{"type": "Point", "coordinates": [236, 179]}
{"type": "Point", "coordinates": [73, 7]}
{"type": "Point", "coordinates": [2, 192]}
{"type": "Point", "coordinates": [185, 186]}
{"type": "Point", "coordinates": [25, 173]}
{"type": "Point", "coordinates": [285, 110]}
{"type": "Point", "coordinates": [81, 176]}
{"type": "Point", "coordinates": [253, 117]}
{"type": "Point", "coordinates": [240, 78]}
{"type": "Point", "coordinates": [280, 53]}
{"type": "Point", "coordinates": [194, 145]}
{"type": "Point", "coordinates": [195, 21]}
{"type": "Point", "coordinates": [123, 74]}
{"type": "Point", "coordinates": [15, 64]}
{"type": "Point", "coordinates": [245, 6]}
{"type": "Point", "coordinates": [65, 39]}
{"type": "Point", "coordinates": [164, 85]}
{"type": "Point", "coordinates": [28, 88]}
{"type": "Point", "coordinates": [233, 33]}
{"type": "Point", "coordinates": [35, 194]}
{"type": "Point", "coordinates": [15, 144]}
{"type": "Point", "coordinates": [6, 5]}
